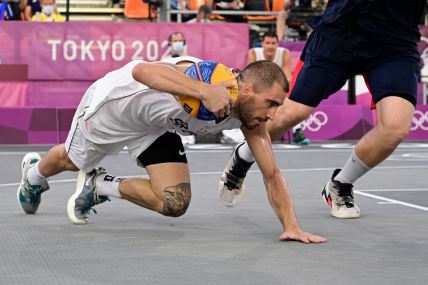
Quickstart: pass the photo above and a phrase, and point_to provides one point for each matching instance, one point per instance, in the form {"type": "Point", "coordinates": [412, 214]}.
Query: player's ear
{"type": "Point", "coordinates": [246, 88]}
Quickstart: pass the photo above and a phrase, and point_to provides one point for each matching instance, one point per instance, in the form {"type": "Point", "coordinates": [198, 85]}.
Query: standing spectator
{"type": "Point", "coordinates": [48, 13]}
{"type": "Point", "coordinates": [203, 16]}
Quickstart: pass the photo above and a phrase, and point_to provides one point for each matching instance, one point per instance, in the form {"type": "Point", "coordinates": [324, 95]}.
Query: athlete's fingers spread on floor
{"type": "Point", "coordinates": [299, 235]}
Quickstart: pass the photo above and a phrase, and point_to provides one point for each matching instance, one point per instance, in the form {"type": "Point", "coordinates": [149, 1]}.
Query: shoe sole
{"type": "Point", "coordinates": [236, 199]}
{"type": "Point", "coordinates": [326, 197]}
{"type": "Point", "coordinates": [28, 157]}
{"type": "Point", "coordinates": [81, 177]}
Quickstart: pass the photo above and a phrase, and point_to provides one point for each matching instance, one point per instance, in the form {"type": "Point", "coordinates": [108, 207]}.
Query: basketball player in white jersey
{"type": "Point", "coordinates": [133, 107]}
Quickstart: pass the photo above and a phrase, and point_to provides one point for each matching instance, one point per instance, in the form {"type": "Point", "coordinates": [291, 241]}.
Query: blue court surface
{"type": "Point", "coordinates": [213, 244]}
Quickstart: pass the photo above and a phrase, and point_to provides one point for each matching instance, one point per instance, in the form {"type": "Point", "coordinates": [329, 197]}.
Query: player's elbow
{"type": "Point", "coordinates": [139, 72]}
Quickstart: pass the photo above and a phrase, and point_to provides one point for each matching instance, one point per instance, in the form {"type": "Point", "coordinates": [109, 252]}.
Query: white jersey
{"type": "Point", "coordinates": [278, 58]}
{"type": "Point", "coordinates": [118, 111]}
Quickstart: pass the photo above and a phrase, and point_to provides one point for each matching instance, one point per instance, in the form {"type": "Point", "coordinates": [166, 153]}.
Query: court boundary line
{"type": "Point", "coordinates": [251, 171]}
{"type": "Point", "coordinates": [396, 190]}
{"type": "Point", "coordinates": [229, 149]}
{"type": "Point", "coordinates": [410, 205]}
{"type": "Point", "coordinates": [359, 192]}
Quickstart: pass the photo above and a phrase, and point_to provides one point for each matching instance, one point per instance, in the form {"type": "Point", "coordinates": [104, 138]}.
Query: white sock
{"type": "Point", "coordinates": [245, 153]}
{"type": "Point", "coordinates": [108, 185]}
{"type": "Point", "coordinates": [33, 175]}
{"type": "Point", "coordinates": [354, 168]}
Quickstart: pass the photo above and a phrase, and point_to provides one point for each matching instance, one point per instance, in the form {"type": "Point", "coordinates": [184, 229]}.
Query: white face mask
{"type": "Point", "coordinates": [48, 10]}
{"type": "Point", "coordinates": [177, 46]}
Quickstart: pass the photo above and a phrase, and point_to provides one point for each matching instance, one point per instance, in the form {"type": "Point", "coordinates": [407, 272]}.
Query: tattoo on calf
{"type": "Point", "coordinates": [176, 199]}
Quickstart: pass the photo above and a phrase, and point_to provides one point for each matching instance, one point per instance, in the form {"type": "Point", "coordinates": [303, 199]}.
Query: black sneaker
{"type": "Point", "coordinates": [340, 198]}
{"type": "Point", "coordinates": [85, 197]}
{"type": "Point", "coordinates": [231, 186]}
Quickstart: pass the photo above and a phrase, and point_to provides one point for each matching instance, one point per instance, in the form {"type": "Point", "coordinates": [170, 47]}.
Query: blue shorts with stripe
{"type": "Point", "coordinates": [327, 66]}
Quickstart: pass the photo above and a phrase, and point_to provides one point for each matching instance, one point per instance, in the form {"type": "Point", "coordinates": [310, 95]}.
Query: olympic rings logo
{"type": "Point", "coordinates": [420, 121]}
{"type": "Point", "coordinates": [315, 121]}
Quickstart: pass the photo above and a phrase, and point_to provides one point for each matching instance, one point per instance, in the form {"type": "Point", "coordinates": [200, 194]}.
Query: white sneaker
{"type": "Point", "coordinates": [340, 198]}
{"type": "Point", "coordinates": [85, 197]}
{"type": "Point", "coordinates": [231, 185]}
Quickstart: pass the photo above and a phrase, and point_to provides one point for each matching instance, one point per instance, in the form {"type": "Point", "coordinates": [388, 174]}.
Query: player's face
{"type": "Point", "coordinates": [270, 44]}
{"type": "Point", "coordinates": [254, 109]}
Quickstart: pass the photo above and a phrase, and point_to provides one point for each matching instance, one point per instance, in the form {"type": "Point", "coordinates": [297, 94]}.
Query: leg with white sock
{"type": "Point", "coordinates": [108, 185]}
{"type": "Point", "coordinates": [394, 117]}
{"type": "Point", "coordinates": [35, 172]}
{"type": "Point", "coordinates": [353, 169]}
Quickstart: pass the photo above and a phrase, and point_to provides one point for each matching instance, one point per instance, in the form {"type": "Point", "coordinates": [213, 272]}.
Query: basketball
{"type": "Point", "coordinates": [210, 72]}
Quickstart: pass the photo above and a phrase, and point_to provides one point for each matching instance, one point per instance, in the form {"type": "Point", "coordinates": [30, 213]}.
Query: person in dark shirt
{"type": "Point", "coordinates": [376, 38]}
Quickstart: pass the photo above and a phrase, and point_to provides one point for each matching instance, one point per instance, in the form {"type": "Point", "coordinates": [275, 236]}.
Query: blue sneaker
{"type": "Point", "coordinates": [29, 196]}
{"type": "Point", "coordinates": [85, 197]}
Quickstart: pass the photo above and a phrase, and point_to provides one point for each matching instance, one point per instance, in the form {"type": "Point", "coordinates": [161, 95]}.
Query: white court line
{"type": "Point", "coordinates": [359, 192]}
{"type": "Point", "coordinates": [50, 182]}
{"type": "Point", "coordinates": [395, 190]}
{"type": "Point", "coordinates": [391, 200]}
{"type": "Point", "coordinates": [229, 150]}
{"type": "Point", "coordinates": [256, 171]}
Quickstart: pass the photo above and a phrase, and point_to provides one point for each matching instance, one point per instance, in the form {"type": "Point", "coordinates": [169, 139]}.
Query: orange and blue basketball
{"type": "Point", "coordinates": [210, 72]}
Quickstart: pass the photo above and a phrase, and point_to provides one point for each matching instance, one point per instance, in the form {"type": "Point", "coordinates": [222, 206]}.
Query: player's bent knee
{"type": "Point", "coordinates": [176, 199]}
{"type": "Point", "coordinates": [395, 132]}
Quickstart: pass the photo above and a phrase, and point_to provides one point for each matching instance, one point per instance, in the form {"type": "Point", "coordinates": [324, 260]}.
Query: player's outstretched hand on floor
{"type": "Point", "coordinates": [299, 235]}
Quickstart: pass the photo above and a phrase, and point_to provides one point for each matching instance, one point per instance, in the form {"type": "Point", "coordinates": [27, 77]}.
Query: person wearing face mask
{"type": "Point", "coordinates": [49, 13]}
{"type": "Point", "coordinates": [176, 45]}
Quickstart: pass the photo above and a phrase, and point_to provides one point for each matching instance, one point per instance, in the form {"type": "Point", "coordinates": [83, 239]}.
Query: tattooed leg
{"type": "Point", "coordinates": [176, 199]}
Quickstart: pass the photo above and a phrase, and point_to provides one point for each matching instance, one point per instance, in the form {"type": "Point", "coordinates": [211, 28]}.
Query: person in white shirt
{"type": "Point", "coordinates": [271, 51]}
{"type": "Point", "coordinates": [134, 107]}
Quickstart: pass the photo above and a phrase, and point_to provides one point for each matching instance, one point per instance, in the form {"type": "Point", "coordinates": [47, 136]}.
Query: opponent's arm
{"type": "Point", "coordinates": [276, 187]}
{"type": "Point", "coordinates": [165, 78]}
